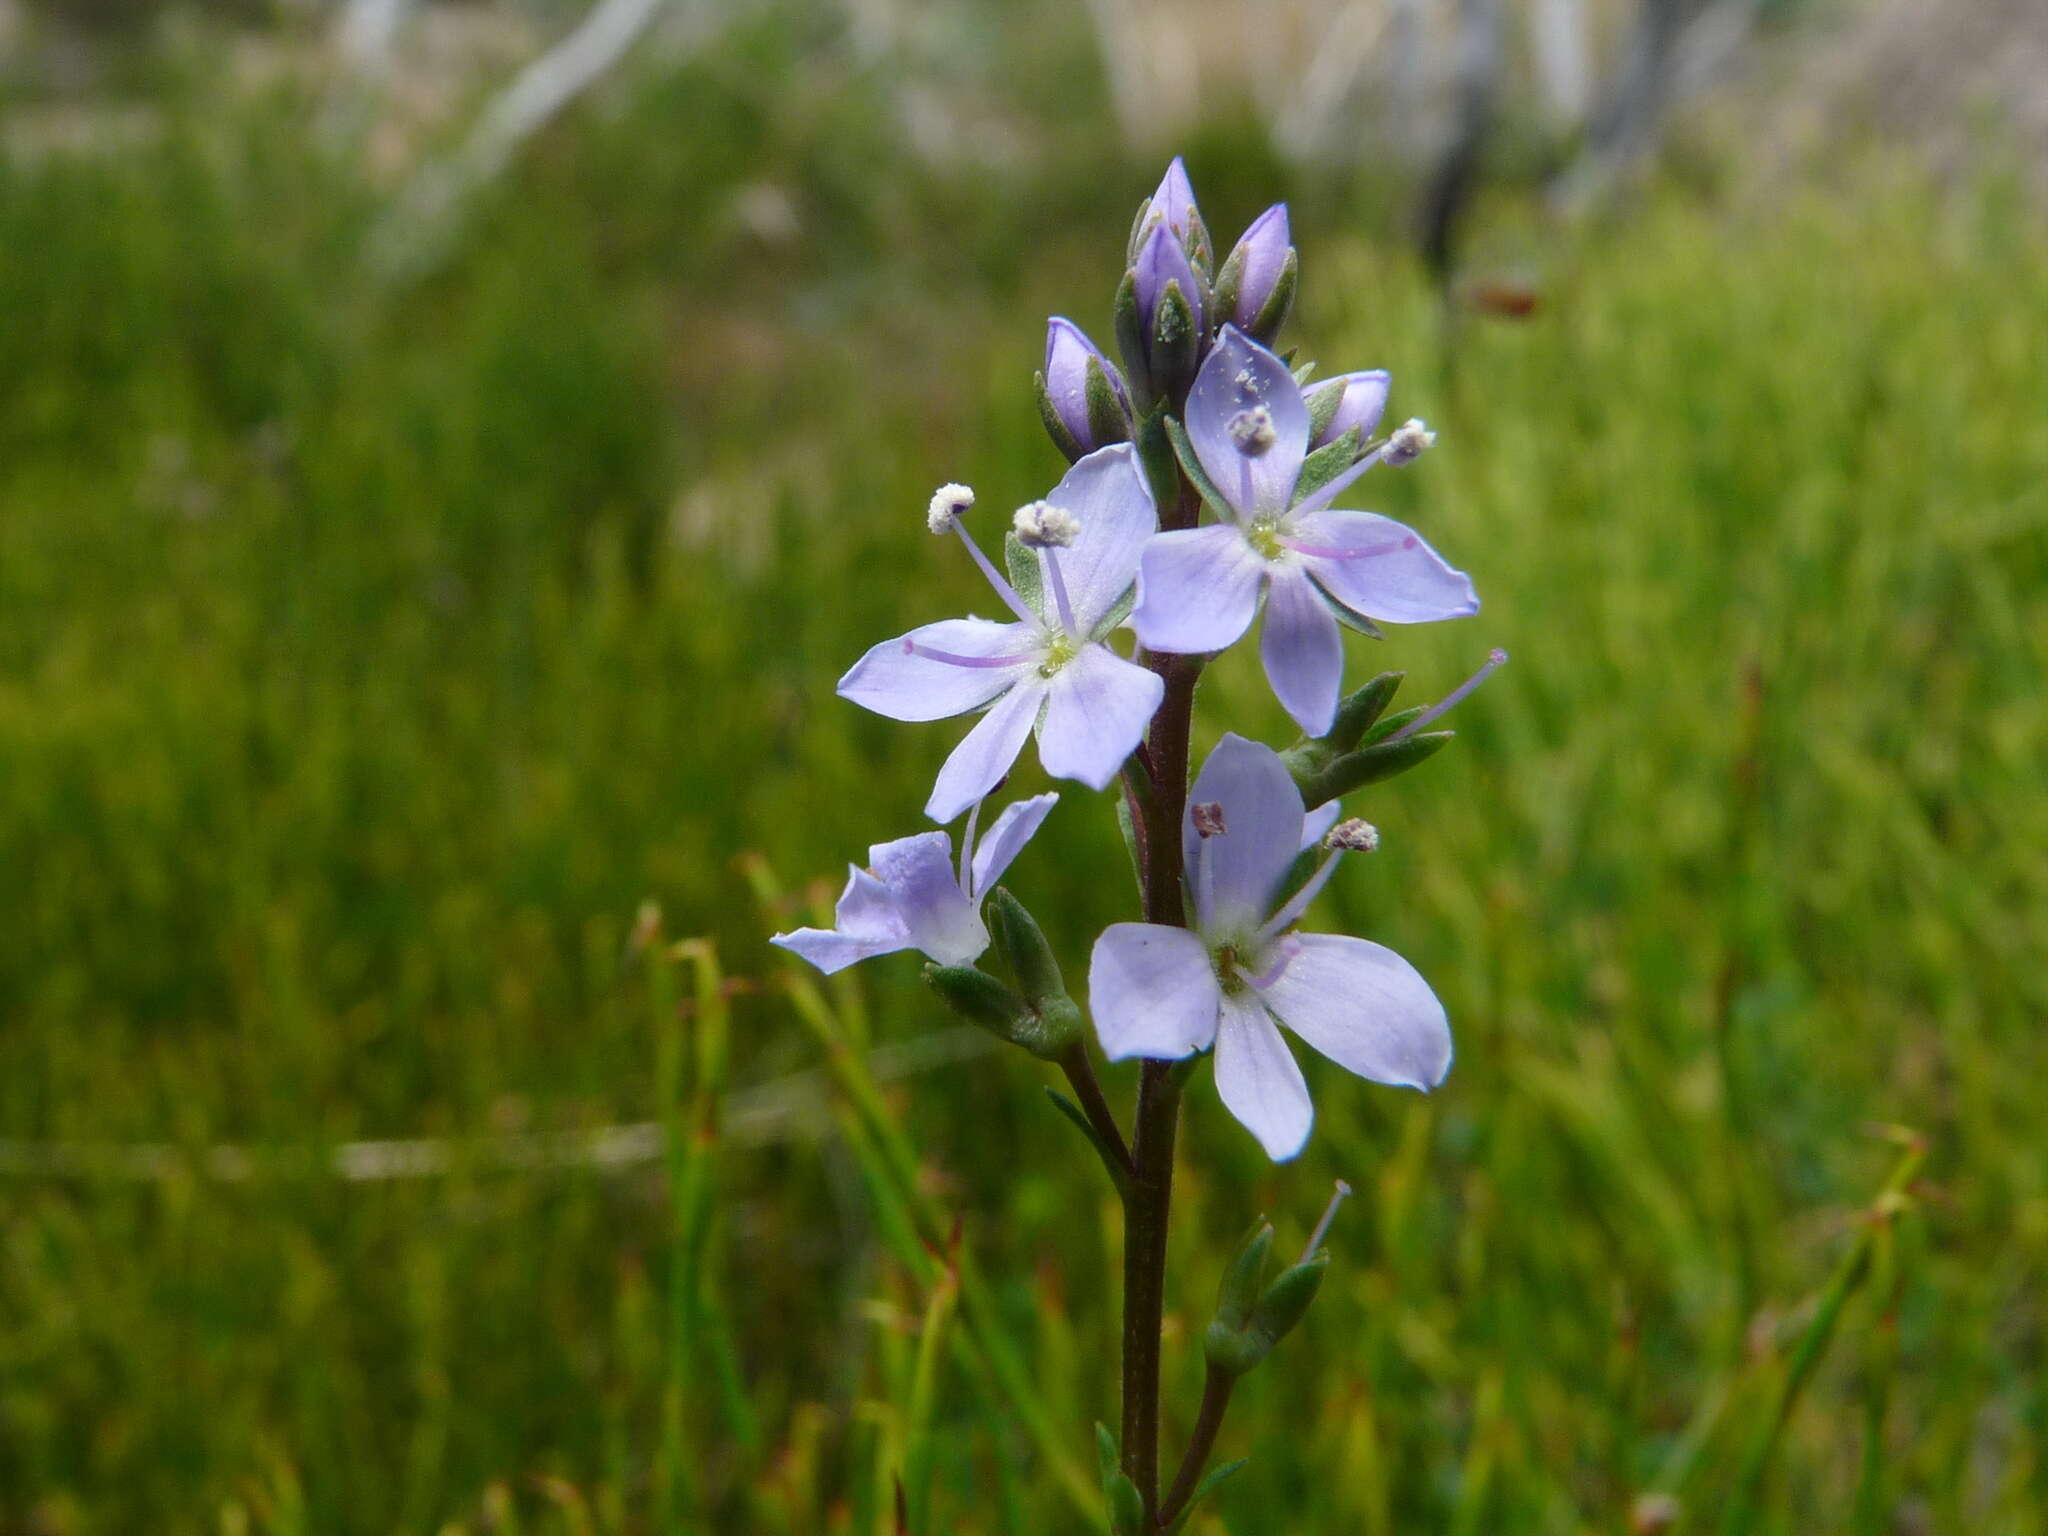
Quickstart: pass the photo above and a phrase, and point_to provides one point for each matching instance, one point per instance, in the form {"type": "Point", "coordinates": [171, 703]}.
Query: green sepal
{"type": "Point", "coordinates": [1140, 226]}
{"type": "Point", "coordinates": [1055, 428]}
{"type": "Point", "coordinates": [1200, 253]}
{"type": "Point", "coordinates": [1021, 944]}
{"type": "Point", "coordinates": [1287, 1299]}
{"type": "Point", "coordinates": [982, 1000]}
{"type": "Point", "coordinates": [1191, 466]}
{"type": "Point", "coordinates": [1130, 832]}
{"type": "Point", "coordinates": [1026, 574]}
{"type": "Point", "coordinates": [1327, 462]}
{"type": "Point", "coordinates": [1176, 342]}
{"type": "Point", "coordinates": [1302, 375]}
{"type": "Point", "coordinates": [1130, 341]}
{"type": "Point", "coordinates": [1119, 1494]}
{"type": "Point", "coordinates": [1322, 408]}
{"type": "Point", "coordinates": [1223, 293]}
{"type": "Point", "coordinates": [1115, 614]}
{"type": "Point", "coordinates": [1111, 1163]}
{"type": "Point", "coordinates": [1370, 765]}
{"type": "Point", "coordinates": [1217, 1477]}
{"type": "Point", "coordinates": [1232, 1351]}
{"type": "Point", "coordinates": [1156, 459]}
{"type": "Point", "coordinates": [1106, 420]}
{"type": "Point", "coordinates": [1239, 1292]}
{"type": "Point", "coordinates": [1382, 729]}
{"type": "Point", "coordinates": [1358, 709]}
{"type": "Point", "coordinates": [1351, 618]}
{"type": "Point", "coordinates": [1279, 303]}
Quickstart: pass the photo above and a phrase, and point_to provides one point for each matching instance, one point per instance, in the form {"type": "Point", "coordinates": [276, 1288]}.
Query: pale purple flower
{"type": "Point", "coordinates": [1239, 973]}
{"type": "Point", "coordinates": [1068, 356]}
{"type": "Point", "coordinates": [911, 897]}
{"type": "Point", "coordinates": [1049, 669]}
{"type": "Point", "coordinates": [1200, 588]}
{"type": "Point", "coordinates": [1361, 404]}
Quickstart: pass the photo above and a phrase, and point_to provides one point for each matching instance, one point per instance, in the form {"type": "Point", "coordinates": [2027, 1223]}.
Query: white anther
{"type": "Point", "coordinates": [949, 501]}
{"type": "Point", "coordinates": [1406, 444]}
{"type": "Point", "coordinates": [1041, 524]}
{"type": "Point", "coordinates": [1251, 432]}
{"type": "Point", "coordinates": [1353, 836]}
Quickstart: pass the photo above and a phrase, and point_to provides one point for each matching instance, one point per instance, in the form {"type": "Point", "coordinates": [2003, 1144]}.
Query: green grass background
{"type": "Point", "coordinates": [369, 653]}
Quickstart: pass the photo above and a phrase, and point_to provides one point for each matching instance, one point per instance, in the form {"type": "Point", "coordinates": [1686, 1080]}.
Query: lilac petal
{"type": "Point", "coordinates": [868, 924]}
{"type": "Point", "coordinates": [1391, 573]}
{"type": "Point", "coordinates": [1302, 649]}
{"type": "Point", "coordinates": [1365, 1008]}
{"type": "Point", "coordinates": [1264, 246]}
{"type": "Point", "coordinates": [1234, 874]}
{"type": "Point", "coordinates": [1152, 992]}
{"type": "Point", "coordinates": [1363, 403]}
{"type": "Point", "coordinates": [1259, 1079]}
{"type": "Point", "coordinates": [985, 753]}
{"type": "Point", "coordinates": [1174, 201]}
{"type": "Point", "coordinates": [1198, 589]}
{"type": "Point", "coordinates": [1316, 825]}
{"type": "Point", "coordinates": [1097, 708]}
{"type": "Point", "coordinates": [941, 920]}
{"type": "Point", "coordinates": [1109, 498]}
{"type": "Point", "coordinates": [1238, 375]}
{"type": "Point", "coordinates": [898, 682]}
{"type": "Point", "coordinates": [1006, 839]}
{"type": "Point", "coordinates": [1068, 351]}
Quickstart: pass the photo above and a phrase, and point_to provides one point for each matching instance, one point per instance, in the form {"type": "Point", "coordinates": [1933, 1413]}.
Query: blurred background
{"type": "Point", "coordinates": [448, 450]}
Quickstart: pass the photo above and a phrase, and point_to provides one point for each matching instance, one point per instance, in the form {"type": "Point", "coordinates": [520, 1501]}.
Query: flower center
{"type": "Point", "coordinates": [1224, 958]}
{"type": "Point", "coordinates": [1060, 648]}
{"type": "Point", "coordinates": [1263, 534]}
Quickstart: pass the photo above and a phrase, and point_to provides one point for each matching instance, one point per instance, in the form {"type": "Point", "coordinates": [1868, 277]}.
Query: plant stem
{"type": "Point", "coordinates": [1145, 1214]}
{"type": "Point", "coordinates": [1215, 1399]}
{"type": "Point", "coordinates": [1080, 1073]}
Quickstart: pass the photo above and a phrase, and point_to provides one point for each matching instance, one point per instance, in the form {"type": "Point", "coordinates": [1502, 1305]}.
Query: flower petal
{"type": "Point", "coordinates": [1389, 572]}
{"type": "Point", "coordinates": [1238, 375]}
{"type": "Point", "coordinates": [1302, 649]}
{"type": "Point", "coordinates": [1006, 839]}
{"type": "Point", "coordinates": [895, 680]}
{"type": "Point", "coordinates": [1198, 589]}
{"type": "Point", "coordinates": [1097, 708]}
{"type": "Point", "coordinates": [1152, 992]}
{"type": "Point", "coordinates": [937, 914]}
{"type": "Point", "coordinates": [1259, 1079]}
{"type": "Point", "coordinates": [1365, 1008]}
{"type": "Point", "coordinates": [868, 924]}
{"type": "Point", "coordinates": [1110, 499]}
{"type": "Point", "coordinates": [1235, 873]}
{"type": "Point", "coordinates": [985, 753]}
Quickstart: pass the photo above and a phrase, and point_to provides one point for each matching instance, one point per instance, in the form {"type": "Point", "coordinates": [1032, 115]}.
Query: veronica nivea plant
{"type": "Point", "coordinates": [1117, 592]}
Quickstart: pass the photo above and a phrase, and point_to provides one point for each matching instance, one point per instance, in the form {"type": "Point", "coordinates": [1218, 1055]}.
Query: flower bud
{"type": "Point", "coordinates": [1081, 394]}
{"type": "Point", "coordinates": [1349, 400]}
{"type": "Point", "coordinates": [1172, 206]}
{"type": "Point", "coordinates": [1255, 289]}
{"type": "Point", "coordinates": [1159, 315]}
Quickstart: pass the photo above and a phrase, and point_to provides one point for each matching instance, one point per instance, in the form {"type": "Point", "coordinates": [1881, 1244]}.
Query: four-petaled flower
{"type": "Point", "coordinates": [911, 897]}
{"type": "Point", "coordinates": [1199, 588]}
{"type": "Point", "coordinates": [1050, 668]}
{"type": "Point", "coordinates": [1229, 980]}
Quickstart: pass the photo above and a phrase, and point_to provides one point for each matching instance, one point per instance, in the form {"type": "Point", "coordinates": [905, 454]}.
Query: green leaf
{"type": "Point", "coordinates": [1217, 1477]}
{"type": "Point", "coordinates": [1111, 1163]}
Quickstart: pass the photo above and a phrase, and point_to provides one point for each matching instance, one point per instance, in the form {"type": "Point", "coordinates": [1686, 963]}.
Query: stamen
{"type": "Point", "coordinates": [1365, 552]}
{"type": "Point", "coordinates": [1406, 442]}
{"type": "Point", "coordinates": [1297, 904]}
{"type": "Point", "coordinates": [1207, 817]}
{"type": "Point", "coordinates": [1496, 659]}
{"type": "Point", "coordinates": [1353, 836]}
{"type": "Point", "coordinates": [1251, 431]}
{"type": "Point", "coordinates": [967, 849]}
{"type": "Point", "coordinates": [1281, 954]}
{"type": "Point", "coordinates": [948, 503]}
{"type": "Point", "coordinates": [1041, 524]}
{"type": "Point", "coordinates": [1058, 583]}
{"type": "Point", "coordinates": [1004, 590]}
{"type": "Point", "coordinates": [1315, 1238]}
{"type": "Point", "coordinates": [954, 659]}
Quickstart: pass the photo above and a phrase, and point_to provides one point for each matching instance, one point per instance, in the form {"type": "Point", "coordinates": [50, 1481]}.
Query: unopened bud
{"type": "Point", "coordinates": [1408, 441]}
{"type": "Point", "coordinates": [948, 502]}
{"type": "Point", "coordinates": [1040, 524]}
{"type": "Point", "coordinates": [1083, 396]}
{"type": "Point", "coordinates": [1350, 400]}
{"type": "Point", "coordinates": [1255, 287]}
